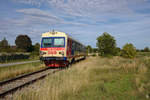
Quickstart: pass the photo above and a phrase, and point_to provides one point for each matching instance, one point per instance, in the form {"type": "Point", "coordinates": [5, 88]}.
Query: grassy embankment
{"type": "Point", "coordinates": [15, 70]}
{"type": "Point", "coordinates": [95, 78]}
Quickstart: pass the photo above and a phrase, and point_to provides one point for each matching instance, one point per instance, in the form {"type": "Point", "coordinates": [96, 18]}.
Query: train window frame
{"type": "Point", "coordinates": [73, 45]}
{"type": "Point", "coordinates": [43, 41]}
{"type": "Point", "coordinates": [59, 38]}
{"type": "Point", "coordinates": [52, 42]}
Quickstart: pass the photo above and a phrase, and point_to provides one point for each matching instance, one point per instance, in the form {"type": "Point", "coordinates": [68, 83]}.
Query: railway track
{"type": "Point", "coordinates": [11, 85]}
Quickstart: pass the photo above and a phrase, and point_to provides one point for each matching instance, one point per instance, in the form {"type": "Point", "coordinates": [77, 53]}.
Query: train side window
{"type": "Point", "coordinates": [73, 45]}
{"type": "Point", "coordinates": [76, 47]}
{"type": "Point", "coordinates": [80, 48]}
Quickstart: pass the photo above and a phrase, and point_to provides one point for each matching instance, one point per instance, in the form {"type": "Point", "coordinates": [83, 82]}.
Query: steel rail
{"type": "Point", "coordinates": [20, 76]}
{"type": "Point", "coordinates": [4, 93]}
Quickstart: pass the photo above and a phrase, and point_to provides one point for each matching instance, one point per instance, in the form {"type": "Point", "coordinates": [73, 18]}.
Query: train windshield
{"type": "Point", "coordinates": [47, 42]}
{"type": "Point", "coordinates": [59, 42]}
{"type": "Point", "coordinates": [53, 42]}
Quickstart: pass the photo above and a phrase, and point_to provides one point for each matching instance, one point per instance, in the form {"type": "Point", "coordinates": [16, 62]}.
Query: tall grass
{"type": "Point", "coordinates": [13, 71]}
{"type": "Point", "coordinates": [143, 54]}
{"type": "Point", "coordinates": [95, 78]}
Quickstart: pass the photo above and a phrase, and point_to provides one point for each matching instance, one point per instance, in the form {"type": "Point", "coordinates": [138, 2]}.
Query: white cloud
{"type": "Point", "coordinates": [38, 13]}
{"type": "Point", "coordinates": [31, 2]}
{"type": "Point", "coordinates": [90, 7]}
{"type": "Point", "coordinates": [91, 10]}
{"type": "Point", "coordinates": [85, 17]}
{"type": "Point", "coordinates": [36, 16]}
{"type": "Point", "coordinates": [87, 7]}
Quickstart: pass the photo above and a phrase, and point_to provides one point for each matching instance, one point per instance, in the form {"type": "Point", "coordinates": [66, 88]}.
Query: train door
{"type": "Point", "coordinates": [69, 46]}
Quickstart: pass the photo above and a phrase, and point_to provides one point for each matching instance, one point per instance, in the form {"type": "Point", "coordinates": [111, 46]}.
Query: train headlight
{"type": "Point", "coordinates": [61, 52]}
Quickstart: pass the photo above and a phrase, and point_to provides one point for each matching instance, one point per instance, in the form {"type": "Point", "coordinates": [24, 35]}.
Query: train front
{"type": "Point", "coordinates": [53, 49]}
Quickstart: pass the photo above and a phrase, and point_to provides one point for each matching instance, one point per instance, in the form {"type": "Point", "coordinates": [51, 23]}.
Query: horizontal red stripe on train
{"type": "Point", "coordinates": [52, 48]}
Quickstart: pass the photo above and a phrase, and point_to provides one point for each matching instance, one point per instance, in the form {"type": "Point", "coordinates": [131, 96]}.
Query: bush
{"type": "Point", "coordinates": [146, 49]}
{"type": "Point", "coordinates": [34, 55]}
{"type": "Point", "coordinates": [11, 57]}
{"type": "Point", "coordinates": [93, 54]}
{"type": "Point", "coordinates": [106, 44]}
{"type": "Point", "coordinates": [128, 51]}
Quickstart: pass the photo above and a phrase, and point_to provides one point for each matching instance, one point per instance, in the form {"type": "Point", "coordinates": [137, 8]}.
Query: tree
{"type": "Point", "coordinates": [89, 49]}
{"type": "Point", "coordinates": [35, 52]}
{"type": "Point", "coordinates": [146, 49]}
{"type": "Point", "coordinates": [36, 47]}
{"type": "Point", "coordinates": [137, 50]}
{"type": "Point", "coordinates": [106, 44]}
{"type": "Point", "coordinates": [4, 45]}
{"type": "Point", "coordinates": [128, 51]}
{"type": "Point", "coordinates": [95, 50]}
{"type": "Point", "coordinates": [24, 42]}
{"type": "Point", "coordinates": [118, 51]}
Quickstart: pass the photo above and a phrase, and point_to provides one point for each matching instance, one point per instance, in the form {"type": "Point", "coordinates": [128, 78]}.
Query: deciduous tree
{"type": "Point", "coordinates": [128, 51]}
{"type": "Point", "coordinates": [24, 42]}
{"type": "Point", "coordinates": [4, 43]}
{"type": "Point", "coordinates": [89, 49]}
{"type": "Point", "coordinates": [146, 49]}
{"type": "Point", "coordinates": [106, 44]}
{"type": "Point", "coordinates": [37, 47]}
{"type": "Point", "coordinates": [4, 46]}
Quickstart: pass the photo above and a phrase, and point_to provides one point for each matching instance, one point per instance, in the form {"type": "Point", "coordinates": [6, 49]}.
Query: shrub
{"type": "Point", "coordinates": [146, 49]}
{"type": "Point", "coordinates": [89, 49]}
{"type": "Point", "coordinates": [106, 44]}
{"type": "Point", "coordinates": [128, 51]}
{"type": "Point", "coordinates": [93, 54]}
{"type": "Point", "coordinates": [11, 57]}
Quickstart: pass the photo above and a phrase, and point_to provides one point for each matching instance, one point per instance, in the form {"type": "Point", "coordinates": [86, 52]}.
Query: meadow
{"type": "Point", "coordinates": [96, 78]}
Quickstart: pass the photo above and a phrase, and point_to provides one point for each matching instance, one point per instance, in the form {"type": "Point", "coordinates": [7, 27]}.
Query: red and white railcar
{"type": "Point", "coordinates": [59, 49]}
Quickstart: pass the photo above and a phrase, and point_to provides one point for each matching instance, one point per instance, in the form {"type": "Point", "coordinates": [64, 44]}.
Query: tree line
{"type": "Point", "coordinates": [106, 46]}
{"type": "Point", "coordinates": [23, 43]}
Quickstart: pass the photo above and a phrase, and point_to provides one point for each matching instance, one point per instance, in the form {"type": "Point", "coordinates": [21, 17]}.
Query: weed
{"type": "Point", "coordinates": [94, 79]}
{"type": "Point", "coordinates": [13, 71]}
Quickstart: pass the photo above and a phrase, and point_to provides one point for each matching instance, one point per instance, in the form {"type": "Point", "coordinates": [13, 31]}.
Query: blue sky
{"type": "Point", "coordinates": [127, 20]}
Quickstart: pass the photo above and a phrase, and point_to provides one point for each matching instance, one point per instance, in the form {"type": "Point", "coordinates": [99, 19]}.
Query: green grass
{"type": "Point", "coordinates": [96, 78]}
{"type": "Point", "coordinates": [105, 85]}
{"type": "Point", "coordinates": [141, 54]}
{"type": "Point", "coordinates": [15, 70]}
